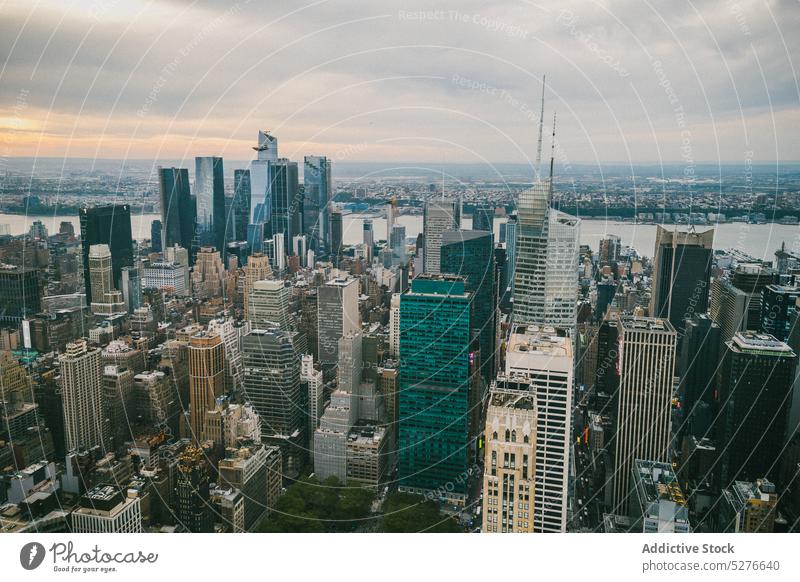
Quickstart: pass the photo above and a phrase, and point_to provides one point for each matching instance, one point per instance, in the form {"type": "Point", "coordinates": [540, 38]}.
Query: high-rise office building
{"type": "Point", "coordinates": [240, 205]}
{"type": "Point", "coordinates": [440, 216]}
{"type": "Point", "coordinates": [736, 300]}
{"type": "Point", "coordinates": [101, 279]}
{"type": "Point", "coordinates": [118, 406]}
{"type": "Point", "coordinates": [368, 236]}
{"type": "Point", "coordinates": [646, 360]}
{"type": "Point", "coordinates": [610, 247]}
{"type": "Point", "coordinates": [104, 509]}
{"type": "Point", "coordinates": [337, 234]}
{"type": "Point", "coordinates": [397, 243]}
{"type": "Point", "coordinates": [287, 200]}
{"type": "Point", "coordinates": [206, 378]}
{"type": "Point", "coordinates": [315, 388]}
{"type": "Point", "coordinates": [256, 269]}
{"type": "Point", "coordinates": [541, 360]}
{"type": "Point", "coordinates": [109, 225]}
{"type": "Point", "coordinates": [392, 215]}
{"type": "Point", "coordinates": [82, 395]}
{"type": "Point", "coordinates": [318, 193]}
{"type": "Point", "coordinates": [271, 361]}
{"type": "Point", "coordinates": [394, 326]}
{"type": "Point", "coordinates": [209, 195]}
{"type": "Point", "coordinates": [247, 469]}
{"type": "Point", "coordinates": [778, 304]}
{"type": "Point", "coordinates": [260, 201]}
{"type": "Point", "coordinates": [208, 275]}
{"type": "Point", "coordinates": [531, 253]}
{"type": "Point", "coordinates": [337, 315]}
{"type": "Point", "coordinates": [561, 279]}
{"type": "Point", "coordinates": [131, 284]}
{"type": "Point", "coordinates": [434, 440]}
{"type": "Point", "coordinates": [509, 483]}
{"type": "Point", "coordinates": [470, 254]}
{"type": "Point", "coordinates": [193, 509]}
{"type": "Point", "coordinates": [177, 209]}
{"type": "Point", "coordinates": [748, 507]}
{"type": "Point", "coordinates": [20, 292]}
{"type": "Point", "coordinates": [658, 504]}
{"type": "Point", "coordinates": [268, 305]}
{"type": "Point", "coordinates": [277, 252]}
{"type": "Point", "coordinates": [483, 217]}
{"type": "Point", "coordinates": [511, 227]}
{"type": "Point", "coordinates": [697, 365]}
{"type": "Point", "coordinates": [755, 394]}
{"type": "Point", "coordinates": [681, 274]}
{"type": "Point", "coordinates": [155, 236]}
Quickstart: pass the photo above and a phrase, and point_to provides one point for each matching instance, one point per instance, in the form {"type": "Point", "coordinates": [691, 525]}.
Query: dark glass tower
{"type": "Point", "coordinates": [287, 200]}
{"type": "Point", "coordinates": [778, 303]}
{"type": "Point", "coordinates": [483, 218]}
{"type": "Point", "coordinates": [155, 236]}
{"type": "Point", "coordinates": [681, 275]}
{"type": "Point", "coordinates": [110, 225]}
{"type": "Point", "coordinates": [470, 254]}
{"type": "Point", "coordinates": [755, 394]}
{"type": "Point", "coordinates": [336, 233]}
{"type": "Point", "coordinates": [209, 195]}
{"type": "Point", "coordinates": [699, 358]}
{"type": "Point", "coordinates": [434, 385]}
{"type": "Point", "coordinates": [177, 209]}
{"type": "Point", "coordinates": [240, 208]}
{"type": "Point", "coordinates": [317, 195]}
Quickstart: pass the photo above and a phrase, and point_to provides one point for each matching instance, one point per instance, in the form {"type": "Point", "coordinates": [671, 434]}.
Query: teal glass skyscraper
{"type": "Point", "coordinates": [470, 254]}
{"type": "Point", "coordinates": [433, 403]}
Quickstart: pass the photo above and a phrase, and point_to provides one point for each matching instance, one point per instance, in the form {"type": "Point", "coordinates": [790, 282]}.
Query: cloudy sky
{"type": "Point", "coordinates": [630, 80]}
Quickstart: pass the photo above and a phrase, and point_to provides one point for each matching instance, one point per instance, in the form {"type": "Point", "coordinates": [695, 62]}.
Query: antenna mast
{"type": "Point", "coordinates": [552, 156]}
{"type": "Point", "coordinates": [539, 145]}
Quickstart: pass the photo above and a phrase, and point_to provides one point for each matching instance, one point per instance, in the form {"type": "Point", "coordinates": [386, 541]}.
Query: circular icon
{"type": "Point", "coordinates": [31, 555]}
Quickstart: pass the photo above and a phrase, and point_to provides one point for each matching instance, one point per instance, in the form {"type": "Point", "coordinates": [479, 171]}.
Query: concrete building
{"type": "Point", "coordinates": [247, 469]}
{"type": "Point", "coordinates": [167, 276]}
{"type": "Point", "coordinates": [509, 477]}
{"type": "Point", "coordinates": [658, 504]}
{"type": "Point", "coordinates": [543, 358]}
{"type": "Point", "coordinates": [206, 378]}
{"type": "Point", "coordinates": [105, 510]}
{"type": "Point", "coordinates": [337, 315]}
{"type": "Point", "coordinates": [748, 507]}
{"type": "Point", "coordinates": [368, 455]}
{"type": "Point", "coordinates": [268, 304]}
{"type": "Point", "coordinates": [644, 401]}
{"type": "Point", "coordinates": [82, 395]}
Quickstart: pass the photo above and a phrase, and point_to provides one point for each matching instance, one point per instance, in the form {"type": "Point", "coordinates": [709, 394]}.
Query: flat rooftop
{"type": "Point", "coordinates": [545, 340]}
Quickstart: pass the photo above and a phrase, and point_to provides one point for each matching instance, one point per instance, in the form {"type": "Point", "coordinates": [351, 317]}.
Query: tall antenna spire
{"type": "Point", "coordinates": [539, 145]}
{"type": "Point", "coordinates": [552, 155]}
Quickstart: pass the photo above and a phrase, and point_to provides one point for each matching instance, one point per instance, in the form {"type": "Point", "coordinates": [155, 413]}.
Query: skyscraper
{"type": "Point", "coordinates": [541, 360]}
{"type": "Point", "coordinates": [177, 209]}
{"type": "Point", "coordinates": [483, 217]}
{"type": "Point", "coordinates": [681, 274]}
{"type": "Point", "coordinates": [440, 216]}
{"type": "Point", "coordinates": [531, 254]}
{"type": "Point", "coordinates": [260, 202]}
{"type": "Point", "coordinates": [337, 315]}
{"type": "Point", "coordinates": [318, 194]}
{"type": "Point", "coordinates": [736, 299]}
{"type": "Point", "coordinates": [644, 400]}
{"type": "Point", "coordinates": [434, 443]}
{"type": "Point", "coordinates": [699, 359]}
{"type": "Point", "coordinates": [82, 394]}
{"type": "Point", "coordinates": [470, 254]}
{"type": "Point", "coordinates": [755, 394]}
{"type": "Point", "coordinates": [287, 200]}
{"type": "Point", "coordinates": [778, 304]}
{"type": "Point", "coordinates": [241, 204]}
{"type": "Point", "coordinates": [192, 504]}
{"type": "Point", "coordinates": [268, 305]}
{"type": "Point", "coordinates": [109, 225]}
{"type": "Point", "coordinates": [336, 234]}
{"type": "Point", "coordinates": [209, 195]}
{"type": "Point", "coordinates": [397, 242]}
{"type": "Point", "coordinates": [509, 467]}
{"type": "Point", "coordinates": [256, 269]}
{"type": "Point", "coordinates": [100, 272]}
{"type": "Point", "coordinates": [368, 234]}
{"type": "Point", "coordinates": [392, 214]}
{"type": "Point", "coordinates": [206, 378]}
{"type": "Point", "coordinates": [272, 385]}
{"type": "Point", "coordinates": [155, 236]}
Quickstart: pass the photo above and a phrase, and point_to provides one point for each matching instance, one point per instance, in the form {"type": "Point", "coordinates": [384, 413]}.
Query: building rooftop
{"type": "Point", "coordinates": [659, 481]}
{"type": "Point", "coordinates": [647, 324]}
{"type": "Point", "coordinates": [512, 399]}
{"type": "Point", "coordinates": [546, 340]}
{"type": "Point", "coordinates": [761, 343]}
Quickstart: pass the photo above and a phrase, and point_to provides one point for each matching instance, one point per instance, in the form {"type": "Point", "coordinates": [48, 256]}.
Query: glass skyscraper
{"type": "Point", "coordinates": [470, 254]}
{"type": "Point", "coordinates": [209, 194]}
{"type": "Point", "coordinates": [318, 194]}
{"type": "Point", "coordinates": [434, 386]}
{"type": "Point", "coordinates": [177, 209]}
{"type": "Point", "coordinates": [240, 208]}
{"type": "Point", "coordinates": [109, 225]}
